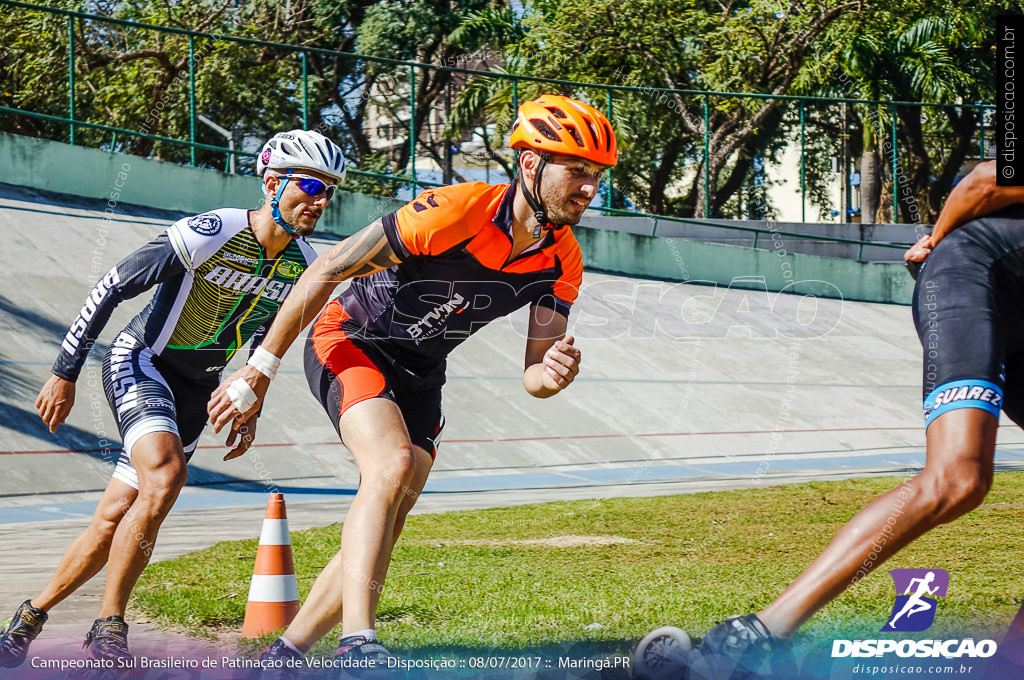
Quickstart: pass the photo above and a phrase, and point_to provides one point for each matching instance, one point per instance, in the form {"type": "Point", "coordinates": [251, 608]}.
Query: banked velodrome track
{"type": "Point", "coordinates": [683, 388]}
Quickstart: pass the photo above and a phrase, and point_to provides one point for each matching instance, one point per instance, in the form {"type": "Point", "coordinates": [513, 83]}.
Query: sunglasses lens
{"type": "Point", "coordinates": [314, 187]}
{"type": "Point", "coordinates": [310, 186]}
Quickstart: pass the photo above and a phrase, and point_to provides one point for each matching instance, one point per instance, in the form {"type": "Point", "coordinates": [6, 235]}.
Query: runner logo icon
{"type": "Point", "coordinates": [915, 605]}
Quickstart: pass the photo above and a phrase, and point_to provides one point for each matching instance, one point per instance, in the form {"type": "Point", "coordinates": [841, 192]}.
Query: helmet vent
{"type": "Point", "coordinates": [593, 133]}
{"type": "Point", "coordinates": [305, 147]}
{"type": "Point", "coordinates": [575, 135]}
{"type": "Point", "coordinates": [327, 161]}
{"type": "Point", "coordinates": [545, 129]}
{"type": "Point", "coordinates": [557, 112]}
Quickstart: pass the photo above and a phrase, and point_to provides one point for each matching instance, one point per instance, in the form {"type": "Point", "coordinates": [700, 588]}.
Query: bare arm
{"type": "Point", "coordinates": [975, 196]}
{"type": "Point", "coordinates": [365, 252]}
{"type": "Point", "coordinates": [361, 254]}
{"type": "Point", "coordinates": [552, 362]}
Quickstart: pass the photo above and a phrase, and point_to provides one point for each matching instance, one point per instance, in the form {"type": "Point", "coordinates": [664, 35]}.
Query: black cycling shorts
{"type": "Point", "coordinates": [969, 312]}
{"type": "Point", "coordinates": [146, 397]}
{"type": "Point", "coordinates": [343, 371]}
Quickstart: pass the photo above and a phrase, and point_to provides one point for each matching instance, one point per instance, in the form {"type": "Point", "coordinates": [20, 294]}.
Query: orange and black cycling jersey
{"type": "Point", "coordinates": [456, 275]}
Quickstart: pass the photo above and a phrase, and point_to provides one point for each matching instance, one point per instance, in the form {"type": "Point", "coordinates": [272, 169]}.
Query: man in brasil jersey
{"type": "Point", "coordinates": [424, 279]}
{"type": "Point", "coordinates": [221, 277]}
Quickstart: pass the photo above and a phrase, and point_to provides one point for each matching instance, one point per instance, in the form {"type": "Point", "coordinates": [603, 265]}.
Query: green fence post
{"type": "Point", "coordinates": [71, 78]}
{"type": "Point", "coordinates": [412, 126]}
{"type": "Point", "coordinates": [611, 186]}
{"type": "Point", "coordinates": [515, 97]}
{"type": "Point", "coordinates": [707, 158]}
{"type": "Point", "coordinates": [305, 92]}
{"type": "Point", "coordinates": [895, 200]}
{"type": "Point", "coordinates": [803, 175]}
{"type": "Point", "coordinates": [981, 134]}
{"type": "Point", "coordinates": [192, 96]}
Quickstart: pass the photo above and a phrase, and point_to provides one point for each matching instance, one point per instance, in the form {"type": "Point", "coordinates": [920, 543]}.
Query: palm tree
{"type": "Point", "coordinates": [916, 64]}
{"type": "Point", "coordinates": [488, 98]}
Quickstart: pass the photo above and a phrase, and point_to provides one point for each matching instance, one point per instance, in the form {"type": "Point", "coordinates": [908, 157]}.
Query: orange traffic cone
{"type": "Point", "coordinates": [274, 592]}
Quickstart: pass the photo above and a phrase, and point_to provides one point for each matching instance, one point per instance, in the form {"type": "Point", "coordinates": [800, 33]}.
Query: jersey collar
{"type": "Point", "coordinates": [505, 216]}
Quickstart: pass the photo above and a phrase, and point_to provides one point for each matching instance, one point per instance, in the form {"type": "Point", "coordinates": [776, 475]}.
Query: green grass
{"type": "Point", "coordinates": [457, 581]}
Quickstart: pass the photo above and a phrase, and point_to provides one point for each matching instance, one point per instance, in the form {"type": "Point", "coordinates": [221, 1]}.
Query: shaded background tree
{"type": "Point", "coordinates": [920, 51]}
{"type": "Point", "coordinates": [752, 47]}
{"type": "Point", "coordinates": [136, 79]}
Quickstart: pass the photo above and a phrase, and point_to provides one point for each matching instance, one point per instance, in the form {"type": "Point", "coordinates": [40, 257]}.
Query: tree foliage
{"type": "Point", "coordinates": [936, 51]}
{"type": "Point", "coordinates": [138, 79]}
{"type": "Point", "coordinates": [756, 47]}
{"type": "Point", "coordinates": [923, 51]}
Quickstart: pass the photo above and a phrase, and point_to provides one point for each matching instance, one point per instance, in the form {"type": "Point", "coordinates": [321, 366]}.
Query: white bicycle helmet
{"type": "Point", "coordinates": [302, 149]}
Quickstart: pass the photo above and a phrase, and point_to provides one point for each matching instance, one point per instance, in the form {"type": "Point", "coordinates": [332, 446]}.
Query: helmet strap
{"type": "Point", "coordinates": [275, 211]}
{"type": "Point", "coordinates": [540, 213]}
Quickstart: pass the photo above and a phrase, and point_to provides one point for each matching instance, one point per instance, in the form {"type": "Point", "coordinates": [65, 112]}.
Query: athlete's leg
{"type": "Point", "coordinates": [159, 461]}
{"type": "Point", "coordinates": [88, 553]}
{"type": "Point", "coordinates": [963, 330]}
{"type": "Point", "coordinates": [81, 561]}
{"type": "Point", "coordinates": [919, 607]}
{"type": "Point", "coordinates": [392, 473]}
{"type": "Point", "coordinates": [956, 478]}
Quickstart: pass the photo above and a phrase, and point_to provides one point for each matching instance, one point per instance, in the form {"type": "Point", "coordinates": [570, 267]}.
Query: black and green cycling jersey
{"type": "Point", "coordinates": [217, 289]}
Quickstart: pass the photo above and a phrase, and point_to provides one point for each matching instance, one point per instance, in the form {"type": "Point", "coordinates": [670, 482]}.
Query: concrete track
{"type": "Point", "coordinates": [683, 388]}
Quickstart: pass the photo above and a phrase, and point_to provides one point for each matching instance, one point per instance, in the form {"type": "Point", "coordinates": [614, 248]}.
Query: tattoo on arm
{"type": "Point", "coordinates": [363, 253]}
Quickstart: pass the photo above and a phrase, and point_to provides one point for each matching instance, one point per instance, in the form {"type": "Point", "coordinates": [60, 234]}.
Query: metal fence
{"type": "Point", "coordinates": [809, 122]}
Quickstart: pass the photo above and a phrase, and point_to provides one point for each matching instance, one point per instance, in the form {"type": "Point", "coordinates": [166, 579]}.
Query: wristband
{"type": "Point", "coordinates": [241, 395]}
{"type": "Point", "coordinates": [264, 362]}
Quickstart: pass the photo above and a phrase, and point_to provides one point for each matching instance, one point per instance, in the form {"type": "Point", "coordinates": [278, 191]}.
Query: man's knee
{"type": "Point", "coordinates": [161, 485]}
{"type": "Point", "coordinates": [102, 529]}
{"type": "Point", "coordinates": [953, 492]}
{"type": "Point", "coordinates": [108, 514]}
{"type": "Point", "coordinates": [393, 472]}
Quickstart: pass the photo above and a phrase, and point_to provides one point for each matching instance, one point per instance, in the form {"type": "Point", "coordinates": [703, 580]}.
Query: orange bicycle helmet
{"type": "Point", "coordinates": [556, 124]}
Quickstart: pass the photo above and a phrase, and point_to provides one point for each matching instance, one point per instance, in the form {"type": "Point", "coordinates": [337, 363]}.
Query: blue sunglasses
{"type": "Point", "coordinates": [313, 186]}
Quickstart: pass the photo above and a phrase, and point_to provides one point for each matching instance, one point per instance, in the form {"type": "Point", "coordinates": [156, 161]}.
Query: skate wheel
{"type": "Point", "coordinates": [662, 654]}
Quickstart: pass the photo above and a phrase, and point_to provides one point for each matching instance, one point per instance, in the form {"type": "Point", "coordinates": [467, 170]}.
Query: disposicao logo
{"type": "Point", "coordinates": [916, 590]}
{"type": "Point", "coordinates": [914, 611]}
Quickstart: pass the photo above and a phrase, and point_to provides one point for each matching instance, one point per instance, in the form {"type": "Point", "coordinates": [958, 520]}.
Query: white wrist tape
{"type": "Point", "coordinates": [264, 362]}
{"type": "Point", "coordinates": [241, 395]}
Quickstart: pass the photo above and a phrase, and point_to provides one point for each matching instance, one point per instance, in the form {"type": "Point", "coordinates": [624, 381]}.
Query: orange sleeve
{"type": "Point", "coordinates": [435, 221]}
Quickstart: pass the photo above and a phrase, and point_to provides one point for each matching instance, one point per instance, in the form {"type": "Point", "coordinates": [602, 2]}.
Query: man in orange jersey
{"type": "Point", "coordinates": [426, 278]}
